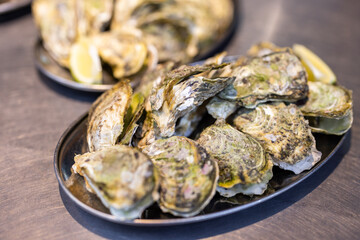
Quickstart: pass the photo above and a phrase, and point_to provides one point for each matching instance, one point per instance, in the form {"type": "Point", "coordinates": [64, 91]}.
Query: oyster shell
{"type": "Point", "coordinates": [122, 177]}
{"type": "Point", "coordinates": [328, 108]}
{"type": "Point", "coordinates": [188, 175]}
{"type": "Point", "coordinates": [124, 52]}
{"type": "Point", "coordinates": [278, 76]}
{"type": "Point", "coordinates": [284, 133]}
{"type": "Point", "coordinates": [179, 95]}
{"type": "Point", "coordinates": [56, 21]}
{"type": "Point", "coordinates": [264, 48]}
{"type": "Point", "coordinates": [243, 166]}
{"type": "Point", "coordinates": [221, 109]}
{"type": "Point", "coordinates": [62, 22]}
{"type": "Point", "coordinates": [106, 116]}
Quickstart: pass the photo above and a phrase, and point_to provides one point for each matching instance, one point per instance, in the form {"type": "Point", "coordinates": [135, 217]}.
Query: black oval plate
{"type": "Point", "coordinates": [73, 142]}
{"type": "Point", "coordinates": [47, 66]}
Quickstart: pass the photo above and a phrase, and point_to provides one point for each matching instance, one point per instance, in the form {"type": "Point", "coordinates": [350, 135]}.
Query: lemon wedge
{"type": "Point", "coordinates": [316, 68]}
{"type": "Point", "coordinates": [85, 65]}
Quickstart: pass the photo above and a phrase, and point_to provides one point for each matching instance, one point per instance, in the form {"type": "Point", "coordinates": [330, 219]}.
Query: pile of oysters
{"type": "Point", "coordinates": [132, 36]}
{"type": "Point", "coordinates": [146, 145]}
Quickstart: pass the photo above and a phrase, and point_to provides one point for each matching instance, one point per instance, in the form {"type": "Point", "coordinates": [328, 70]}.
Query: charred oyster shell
{"type": "Point", "coordinates": [106, 116]}
{"type": "Point", "coordinates": [122, 177]}
{"type": "Point", "coordinates": [284, 133]}
{"type": "Point", "coordinates": [328, 108]}
{"type": "Point", "coordinates": [278, 76]}
{"type": "Point", "coordinates": [243, 166]}
{"type": "Point", "coordinates": [188, 175]}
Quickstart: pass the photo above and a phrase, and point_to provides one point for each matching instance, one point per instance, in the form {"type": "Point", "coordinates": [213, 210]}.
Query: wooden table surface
{"type": "Point", "coordinates": [34, 112]}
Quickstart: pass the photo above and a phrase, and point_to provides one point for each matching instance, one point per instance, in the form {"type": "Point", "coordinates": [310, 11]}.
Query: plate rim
{"type": "Point", "coordinates": [175, 221]}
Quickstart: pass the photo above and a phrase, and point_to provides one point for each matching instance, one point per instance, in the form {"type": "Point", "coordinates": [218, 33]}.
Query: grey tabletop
{"type": "Point", "coordinates": [34, 112]}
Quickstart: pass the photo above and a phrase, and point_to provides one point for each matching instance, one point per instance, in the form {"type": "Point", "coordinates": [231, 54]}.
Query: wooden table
{"type": "Point", "coordinates": [35, 112]}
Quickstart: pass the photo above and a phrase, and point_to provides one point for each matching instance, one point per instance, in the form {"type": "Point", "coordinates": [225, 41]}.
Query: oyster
{"type": "Point", "coordinates": [328, 108]}
{"type": "Point", "coordinates": [278, 76]}
{"type": "Point", "coordinates": [243, 166]}
{"type": "Point", "coordinates": [56, 21]}
{"type": "Point", "coordinates": [188, 175]}
{"type": "Point", "coordinates": [124, 52]}
{"type": "Point", "coordinates": [106, 116]}
{"type": "Point", "coordinates": [284, 133]}
{"type": "Point", "coordinates": [62, 22]}
{"type": "Point", "coordinates": [188, 123]}
{"type": "Point", "coordinates": [122, 177]}
{"type": "Point", "coordinates": [221, 109]}
{"type": "Point", "coordinates": [179, 95]}
{"type": "Point", "coordinates": [264, 48]}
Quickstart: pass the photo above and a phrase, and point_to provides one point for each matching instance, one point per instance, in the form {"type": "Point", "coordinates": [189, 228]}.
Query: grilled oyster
{"type": "Point", "coordinates": [283, 132]}
{"type": "Point", "coordinates": [124, 52]}
{"type": "Point", "coordinates": [278, 76]}
{"type": "Point", "coordinates": [106, 116]}
{"type": "Point", "coordinates": [328, 108]}
{"type": "Point", "coordinates": [188, 175]}
{"type": "Point", "coordinates": [122, 177]}
{"type": "Point", "coordinates": [243, 166]}
{"type": "Point", "coordinates": [179, 95]}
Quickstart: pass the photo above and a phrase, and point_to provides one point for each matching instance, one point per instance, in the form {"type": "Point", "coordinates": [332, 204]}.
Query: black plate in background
{"type": "Point", "coordinates": [53, 71]}
{"type": "Point", "coordinates": [13, 5]}
{"type": "Point", "coordinates": [73, 142]}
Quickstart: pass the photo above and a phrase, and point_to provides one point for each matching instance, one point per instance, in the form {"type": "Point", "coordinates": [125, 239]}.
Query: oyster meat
{"type": "Point", "coordinates": [122, 177]}
{"type": "Point", "coordinates": [62, 22]}
{"type": "Point", "coordinates": [188, 175]}
{"type": "Point", "coordinates": [179, 95]}
{"type": "Point", "coordinates": [56, 21]}
{"type": "Point", "coordinates": [328, 108]}
{"type": "Point", "coordinates": [106, 116]}
{"type": "Point", "coordinates": [124, 52]}
{"type": "Point", "coordinates": [278, 76]}
{"type": "Point", "coordinates": [284, 133]}
{"type": "Point", "coordinates": [243, 165]}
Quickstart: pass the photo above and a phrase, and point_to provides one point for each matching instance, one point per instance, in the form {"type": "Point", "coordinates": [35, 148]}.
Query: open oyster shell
{"type": "Point", "coordinates": [122, 177]}
{"type": "Point", "coordinates": [188, 175]}
{"type": "Point", "coordinates": [106, 116]}
{"type": "Point", "coordinates": [243, 166]}
{"type": "Point", "coordinates": [179, 95]}
{"type": "Point", "coordinates": [328, 108]}
{"type": "Point", "coordinates": [62, 22]}
{"type": "Point", "coordinates": [284, 133]}
{"type": "Point", "coordinates": [124, 52]}
{"type": "Point", "coordinates": [56, 21]}
{"type": "Point", "coordinates": [277, 76]}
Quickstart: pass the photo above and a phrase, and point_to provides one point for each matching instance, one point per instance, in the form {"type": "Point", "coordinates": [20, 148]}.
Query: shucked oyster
{"type": "Point", "coordinates": [179, 95]}
{"type": "Point", "coordinates": [62, 22]}
{"type": "Point", "coordinates": [106, 117]}
{"type": "Point", "coordinates": [278, 76]}
{"type": "Point", "coordinates": [328, 108]}
{"type": "Point", "coordinates": [124, 52]}
{"type": "Point", "coordinates": [122, 177]}
{"type": "Point", "coordinates": [188, 175]}
{"type": "Point", "coordinates": [56, 21]}
{"type": "Point", "coordinates": [243, 166]}
{"type": "Point", "coordinates": [283, 132]}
